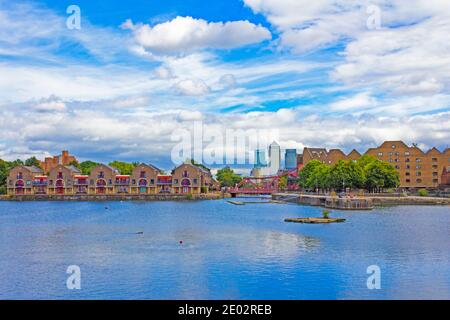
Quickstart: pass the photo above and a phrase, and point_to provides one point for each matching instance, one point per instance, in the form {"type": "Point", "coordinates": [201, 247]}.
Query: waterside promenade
{"type": "Point", "coordinates": [357, 203]}
{"type": "Point", "coordinates": [127, 197]}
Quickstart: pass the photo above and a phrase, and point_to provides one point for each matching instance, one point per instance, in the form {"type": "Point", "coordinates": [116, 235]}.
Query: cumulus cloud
{"type": "Point", "coordinates": [191, 87]}
{"type": "Point", "coordinates": [186, 33]}
{"type": "Point", "coordinates": [102, 134]}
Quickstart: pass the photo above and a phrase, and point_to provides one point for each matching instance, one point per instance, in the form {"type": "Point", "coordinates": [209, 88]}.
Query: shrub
{"type": "Point", "coordinates": [325, 214]}
{"type": "Point", "coordinates": [422, 192]}
{"type": "Point", "coordinates": [189, 196]}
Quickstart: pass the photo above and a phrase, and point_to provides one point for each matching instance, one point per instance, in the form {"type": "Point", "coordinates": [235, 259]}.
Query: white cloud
{"type": "Point", "coordinates": [52, 104]}
{"type": "Point", "coordinates": [163, 72]}
{"type": "Point", "coordinates": [227, 81]}
{"type": "Point", "coordinates": [191, 87]}
{"type": "Point", "coordinates": [186, 33]}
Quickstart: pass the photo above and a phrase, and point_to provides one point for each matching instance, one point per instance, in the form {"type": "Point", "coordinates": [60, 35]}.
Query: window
{"type": "Point", "coordinates": [91, 182]}
{"type": "Point", "coordinates": [418, 167]}
{"type": "Point", "coordinates": [50, 182]}
{"type": "Point", "coordinates": [418, 174]}
{"type": "Point", "coordinates": [142, 175]}
{"type": "Point", "coordinates": [419, 180]}
{"type": "Point", "coordinates": [396, 160]}
{"type": "Point", "coordinates": [380, 154]}
{"type": "Point", "coordinates": [110, 181]}
{"type": "Point", "coordinates": [133, 181]}
{"type": "Point", "coordinates": [152, 181]}
{"type": "Point", "coordinates": [418, 160]}
{"type": "Point", "coordinates": [435, 181]}
{"type": "Point", "coordinates": [434, 166]}
{"type": "Point", "coordinates": [435, 174]}
{"type": "Point", "coordinates": [390, 160]}
{"type": "Point", "coordinates": [408, 166]}
{"type": "Point", "coordinates": [407, 153]}
{"type": "Point", "coordinates": [408, 181]}
{"type": "Point", "coordinates": [10, 182]}
{"type": "Point", "coordinates": [176, 181]}
{"type": "Point", "coordinates": [195, 181]}
{"type": "Point", "coordinates": [393, 146]}
{"type": "Point", "coordinates": [397, 167]}
{"type": "Point", "coordinates": [407, 174]}
{"type": "Point", "coordinates": [407, 160]}
{"type": "Point", "coordinates": [390, 153]}
{"type": "Point", "coordinates": [434, 159]}
{"type": "Point", "coordinates": [60, 175]}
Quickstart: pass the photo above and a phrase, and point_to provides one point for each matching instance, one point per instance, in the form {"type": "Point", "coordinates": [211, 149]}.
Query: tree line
{"type": "Point", "coordinates": [365, 173]}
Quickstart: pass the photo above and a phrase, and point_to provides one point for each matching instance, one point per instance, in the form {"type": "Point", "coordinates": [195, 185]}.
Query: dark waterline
{"type": "Point", "coordinates": [228, 251]}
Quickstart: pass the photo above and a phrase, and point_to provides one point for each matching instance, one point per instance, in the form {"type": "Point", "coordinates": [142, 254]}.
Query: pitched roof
{"type": "Point", "coordinates": [34, 169]}
{"type": "Point", "coordinates": [73, 169]}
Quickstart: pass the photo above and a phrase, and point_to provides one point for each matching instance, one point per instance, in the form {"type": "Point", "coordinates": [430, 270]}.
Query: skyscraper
{"type": "Point", "coordinates": [274, 158]}
{"type": "Point", "coordinates": [260, 158]}
{"type": "Point", "coordinates": [290, 159]}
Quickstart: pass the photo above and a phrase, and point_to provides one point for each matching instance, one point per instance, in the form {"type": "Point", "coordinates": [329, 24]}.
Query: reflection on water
{"type": "Point", "coordinates": [215, 250]}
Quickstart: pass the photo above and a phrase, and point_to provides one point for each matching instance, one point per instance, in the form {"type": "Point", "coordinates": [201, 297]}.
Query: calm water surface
{"type": "Point", "coordinates": [228, 251]}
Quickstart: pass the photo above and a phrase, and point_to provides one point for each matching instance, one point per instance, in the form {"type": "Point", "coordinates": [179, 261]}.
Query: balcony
{"type": "Point", "coordinates": [122, 182]}
{"type": "Point", "coordinates": [40, 183]}
{"type": "Point", "coordinates": [80, 183]}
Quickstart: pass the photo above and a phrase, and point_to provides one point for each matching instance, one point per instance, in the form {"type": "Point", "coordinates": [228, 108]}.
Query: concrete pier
{"type": "Point", "coordinates": [356, 203]}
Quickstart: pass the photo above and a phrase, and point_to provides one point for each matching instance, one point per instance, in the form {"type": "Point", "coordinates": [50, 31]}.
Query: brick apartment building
{"type": "Point", "coordinates": [417, 169]}
{"type": "Point", "coordinates": [50, 163]}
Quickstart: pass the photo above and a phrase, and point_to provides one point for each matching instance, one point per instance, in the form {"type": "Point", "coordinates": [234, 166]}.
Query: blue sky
{"type": "Point", "coordinates": [331, 73]}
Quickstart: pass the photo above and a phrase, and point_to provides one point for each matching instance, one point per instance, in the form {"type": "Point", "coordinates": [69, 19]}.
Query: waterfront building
{"type": "Point", "coordinates": [144, 179]}
{"type": "Point", "coordinates": [24, 180]}
{"type": "Point", "coordinates": [102, 179]}
{"type": "Point", "coordinates": [81, 184]}
{"type": "Point", "coordinates": [51, 162]}
{"type": "Point", "coordinates": [188, 178]}
{"type": "Point", "coordinates": [417, 169]}
{"type": "Point", "coordinates": [290, 159]}
{"type": "Point", "coordinates": [164, 183]}
{"type": "Point", "coordinates": [61, 179]}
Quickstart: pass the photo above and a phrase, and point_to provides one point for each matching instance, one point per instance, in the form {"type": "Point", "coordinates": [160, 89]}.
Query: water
{"type": "Point", "coordinates": [228, 251]}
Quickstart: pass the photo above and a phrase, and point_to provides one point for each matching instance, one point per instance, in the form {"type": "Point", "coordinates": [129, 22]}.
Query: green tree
{"type": "Point", "coordinates": [200, 165]}
{"type": "Point", "coordinates": [33, 161]}
{"type": "Point", "coordinates": [227, 177]}
{"type": "Point", "coordinates": [87, 166]}
{"type": "Point", "coordinates": [305, 173]}
{"type": "Point", "coordinates": [282, 182]}
{"type": "Point", "coordinates": [380, 175]}
{"type": "Point", "coordinates": [320, 177]}
{"type": "Point", "coordinates": [123, 167]}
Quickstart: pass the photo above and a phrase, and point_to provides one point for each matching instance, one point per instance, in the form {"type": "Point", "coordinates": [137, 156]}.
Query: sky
{"type": "Point", "coordinates": [324, 73]}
